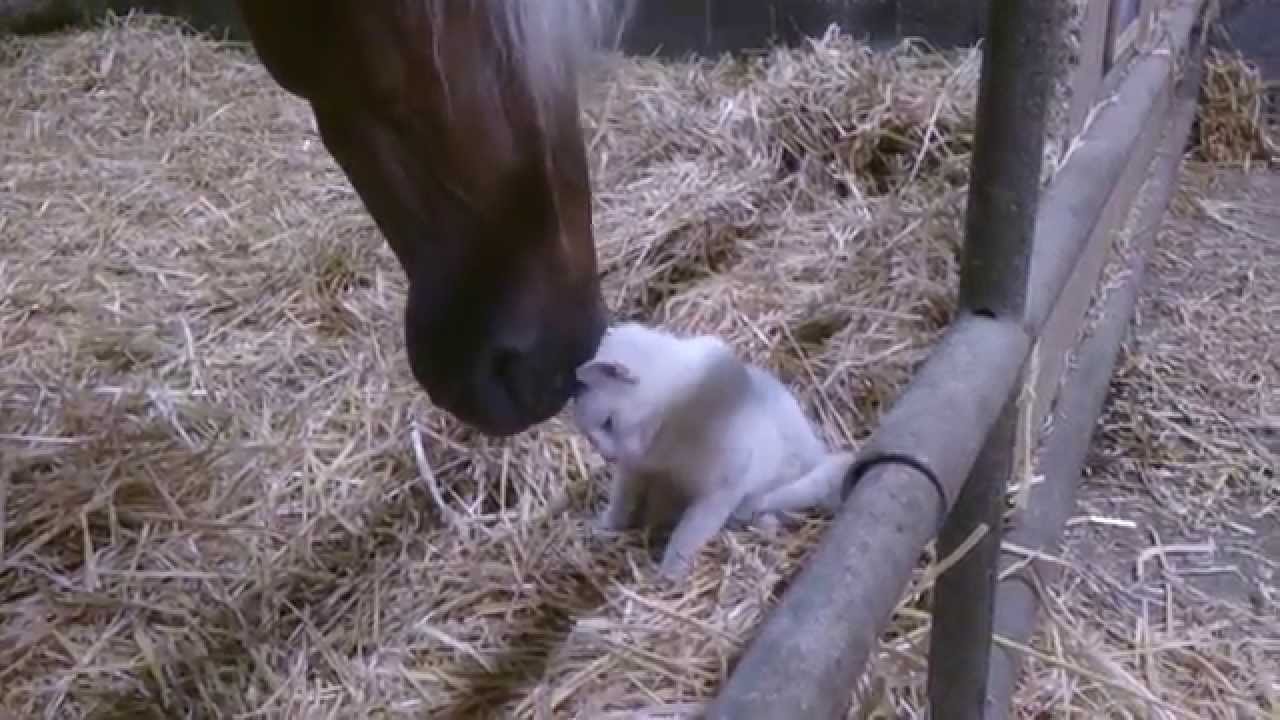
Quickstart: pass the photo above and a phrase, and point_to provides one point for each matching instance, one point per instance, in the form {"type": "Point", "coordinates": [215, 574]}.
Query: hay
{"type": "Point", "coordinates": [213, 496]}
{"type": "Point", "coordinates": [221, 491]}
{"type": "Point", "coordinates": [1233, 127]}
{"type": "Point", "coordinates": [805, 206]}
{"type": "Point", "coordinates": [1173, 576]}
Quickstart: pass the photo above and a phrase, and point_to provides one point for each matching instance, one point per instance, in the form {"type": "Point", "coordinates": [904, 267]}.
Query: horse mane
{"type": "Point", "coordinates": [545, 42]}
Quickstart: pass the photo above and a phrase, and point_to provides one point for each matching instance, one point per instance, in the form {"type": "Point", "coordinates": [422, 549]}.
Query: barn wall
{"type": "Point", "coordinates": [1253, 28]}
{"type": "Point", "coordinates": [665, 27]}
{"type": "Point", "coordinates": [678, 27]}
{"type": "Point", "coordinates": [39, 16]}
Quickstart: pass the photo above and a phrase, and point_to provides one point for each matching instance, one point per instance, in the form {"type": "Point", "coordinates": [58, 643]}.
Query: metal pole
{"type": "Point", "coordinates": [1004, 191]}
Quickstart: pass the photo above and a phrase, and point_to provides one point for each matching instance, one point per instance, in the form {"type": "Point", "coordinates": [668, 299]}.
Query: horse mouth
{"type": "Point", "coordinates": [499, 410]}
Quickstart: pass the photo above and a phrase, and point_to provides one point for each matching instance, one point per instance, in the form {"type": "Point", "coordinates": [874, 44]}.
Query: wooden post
{"type": "Point", "coordinates": [1067, 311]}
{"type": "Point", "coordinates": [1127, 25]}
{"type": "Point", "coordinates": [1087, 76]}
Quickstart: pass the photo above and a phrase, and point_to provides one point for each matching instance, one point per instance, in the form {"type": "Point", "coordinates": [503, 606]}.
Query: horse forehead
{"type": "Point", "coordinates": [447, 94]}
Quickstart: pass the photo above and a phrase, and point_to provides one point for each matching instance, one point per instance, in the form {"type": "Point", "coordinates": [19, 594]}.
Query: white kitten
{"type": "Point", "coordinates": [696, 434]}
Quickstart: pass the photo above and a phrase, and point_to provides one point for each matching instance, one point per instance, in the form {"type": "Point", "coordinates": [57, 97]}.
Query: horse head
{"type": "Point", "coordinates": [457, 122]}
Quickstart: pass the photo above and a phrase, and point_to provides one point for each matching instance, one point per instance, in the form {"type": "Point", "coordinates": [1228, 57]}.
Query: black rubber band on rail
{"type": "Point", "coordinates": [862, 467]}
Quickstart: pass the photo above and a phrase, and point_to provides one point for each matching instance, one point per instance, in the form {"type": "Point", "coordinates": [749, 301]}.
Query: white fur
{"type": "Point", "coordinates": [547, 41]}
{"type": "Point", "coordinates": [695, 432]}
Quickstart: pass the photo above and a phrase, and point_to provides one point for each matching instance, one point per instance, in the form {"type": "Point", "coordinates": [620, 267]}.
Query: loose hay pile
{"type": "Point", "coordinates": [1233, 127]}
{"type": "Point", "coordinates": [222, 493]}
{"type": "Point", "coordinates": [805, 206]}
{"type": "Point", "coordinates": [1174, 556]}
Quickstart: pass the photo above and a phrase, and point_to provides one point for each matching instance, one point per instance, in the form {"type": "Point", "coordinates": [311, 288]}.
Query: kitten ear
{"type": "Point", "coordinates": [602, 371]}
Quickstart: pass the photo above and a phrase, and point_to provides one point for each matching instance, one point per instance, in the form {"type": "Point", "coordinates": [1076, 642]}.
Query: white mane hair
{"type": "Point", "coordinates": [553, 38]}
{"type": "Point", "coordinates": [547, 41]}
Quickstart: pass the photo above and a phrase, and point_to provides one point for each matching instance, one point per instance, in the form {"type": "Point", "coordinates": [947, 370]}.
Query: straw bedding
{"type": "Point", "coordinates": [221, 493]}
{"type": "Point", "coordinates": [1234, 127]}
{"type": "Point", "coordinates": [1172, 587]}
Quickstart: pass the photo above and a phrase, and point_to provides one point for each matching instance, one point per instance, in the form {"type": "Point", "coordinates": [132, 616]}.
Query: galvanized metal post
{"type": "Point", "coordinates": [1004, 191]}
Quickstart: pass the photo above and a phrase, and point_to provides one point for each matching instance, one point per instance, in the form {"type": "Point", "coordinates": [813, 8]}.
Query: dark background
{"type": "Point", "coordinates": [677, 27]}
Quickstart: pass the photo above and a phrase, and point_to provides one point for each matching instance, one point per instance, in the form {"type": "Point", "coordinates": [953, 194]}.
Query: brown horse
{"type": "Point", "coordinates": [457, 122]}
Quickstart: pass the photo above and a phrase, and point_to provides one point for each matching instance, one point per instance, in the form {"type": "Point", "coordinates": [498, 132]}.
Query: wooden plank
{"type": "Point", "coordinates": [1124, 28]}
{"type": "Point", "coordinates": [1142, 26]}
{"type": "Point", "coordinates": [1062, 331]}
{"type": "Point", "coordinates": [1148, 19]}
{"type": "Point", "coordinates": [1087, 77]}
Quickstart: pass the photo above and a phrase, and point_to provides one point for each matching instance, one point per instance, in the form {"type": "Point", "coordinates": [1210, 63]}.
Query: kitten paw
{"type": "Point", "coordinates": [612, 522]}
{"type": "Point", "coordinates": [768, 524]}
{"type": "Point", "coordinates": [675, 569]}
{"type": "Point", "coordinates": [745, 512]}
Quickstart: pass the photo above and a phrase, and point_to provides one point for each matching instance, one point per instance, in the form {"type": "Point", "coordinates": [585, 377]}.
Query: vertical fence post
{"type": "Point", "coordinates": [1004, 191]}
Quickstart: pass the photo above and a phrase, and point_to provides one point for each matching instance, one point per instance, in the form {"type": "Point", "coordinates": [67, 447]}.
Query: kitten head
{"type": "Point", "coordinates": [603, 390]}
{"type": "Point", "coordinates": [620, 393]}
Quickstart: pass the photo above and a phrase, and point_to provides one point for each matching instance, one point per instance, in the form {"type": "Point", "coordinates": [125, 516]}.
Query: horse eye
{"type": "Point", "coordinates": [607, 425]}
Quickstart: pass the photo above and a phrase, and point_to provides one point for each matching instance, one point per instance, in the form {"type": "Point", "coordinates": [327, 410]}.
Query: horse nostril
{"type": "Point", "coordinates": [513, 370]}
{"type": "Point", "coordinates": [505, 368]}
{"type": "Point", "coordinates": [533, 379]}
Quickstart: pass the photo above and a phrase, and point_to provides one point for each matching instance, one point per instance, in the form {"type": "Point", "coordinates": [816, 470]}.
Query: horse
{"type": "Point", "coordinates": [458, 124]}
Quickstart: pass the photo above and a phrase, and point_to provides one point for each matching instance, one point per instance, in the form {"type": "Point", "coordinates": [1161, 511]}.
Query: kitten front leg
{"type": "Point", "coordinates": [625, 495]}
{"type": "Point", "coordinates": [704, 517]}
{"type": "Point", "coordinates": [746, 511]}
